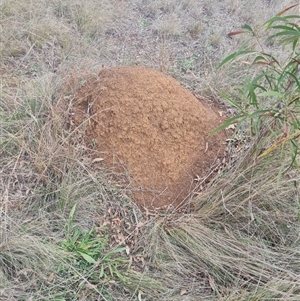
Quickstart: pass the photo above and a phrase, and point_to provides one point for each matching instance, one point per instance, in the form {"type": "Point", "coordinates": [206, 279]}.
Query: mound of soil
{"type": "Point", "coordinates": [146, 121]}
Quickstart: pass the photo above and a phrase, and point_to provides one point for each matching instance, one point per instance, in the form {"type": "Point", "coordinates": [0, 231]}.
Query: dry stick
{"type": "Point", "coordinates": [225, 205]}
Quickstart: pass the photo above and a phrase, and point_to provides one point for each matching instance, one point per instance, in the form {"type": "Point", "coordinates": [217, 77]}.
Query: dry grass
{"type": "Point", "coordinates": [244, 232]}
{"type": "Point", "coordinates": [241, 242]}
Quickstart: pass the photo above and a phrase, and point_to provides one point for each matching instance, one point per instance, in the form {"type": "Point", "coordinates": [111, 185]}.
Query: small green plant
{"type": "Point", "coordinates": [270, 101]}
{"type": "Point", "coordinates": [90, 251]}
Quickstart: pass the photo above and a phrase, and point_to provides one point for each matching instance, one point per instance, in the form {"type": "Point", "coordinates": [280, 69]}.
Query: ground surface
{"type": "Point", "coordinates": [145, 122]}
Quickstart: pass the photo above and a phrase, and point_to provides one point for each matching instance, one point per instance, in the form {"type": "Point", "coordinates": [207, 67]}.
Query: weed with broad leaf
{"type": "Point", "coordinates": [270, 101]}
{"type": "Point", "coordinates": [90, 252]}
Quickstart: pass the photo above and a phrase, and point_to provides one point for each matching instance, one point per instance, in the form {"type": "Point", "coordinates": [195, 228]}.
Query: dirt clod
{"type": "Point", "coordinates": [146, 121]}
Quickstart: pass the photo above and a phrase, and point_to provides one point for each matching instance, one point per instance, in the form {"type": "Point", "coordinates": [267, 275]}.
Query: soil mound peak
{"type": "Point", "coordinates": [146, 121]}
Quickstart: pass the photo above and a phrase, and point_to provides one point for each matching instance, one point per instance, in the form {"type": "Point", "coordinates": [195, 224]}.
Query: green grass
{"type": "Point", "coordinates": [67, 231]}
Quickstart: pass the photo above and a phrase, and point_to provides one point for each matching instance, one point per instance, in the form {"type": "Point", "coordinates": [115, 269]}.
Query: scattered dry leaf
{"type": "Point", "coordinates": [96, 160]}
{"type": "Point", "coordinates": [51, 277]}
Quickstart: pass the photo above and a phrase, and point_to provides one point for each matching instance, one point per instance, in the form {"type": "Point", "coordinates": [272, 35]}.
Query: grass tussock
{"type": "Point", "coordinates": [67, 232]}
{"type": "Point", "coordinates": [244, 232]}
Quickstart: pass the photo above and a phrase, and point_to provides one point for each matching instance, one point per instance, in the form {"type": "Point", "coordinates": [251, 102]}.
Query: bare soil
{"type": "Point", "coordinates": [146, 121]}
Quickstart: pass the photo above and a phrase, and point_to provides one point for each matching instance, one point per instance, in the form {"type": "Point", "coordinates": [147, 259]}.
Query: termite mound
{"type": "Point", "coordinates": [146, 121]}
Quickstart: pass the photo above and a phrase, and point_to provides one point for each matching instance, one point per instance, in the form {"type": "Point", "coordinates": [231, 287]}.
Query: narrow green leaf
{"type": "Point", "coordinates": [256, 82]}
{"type": "Point", "coordinates": [283, 27]}
{"type": "Point", "coordinates": [259, 113]}
{"type": "Point", "coordinates": [259, 87]}
{"type": "Point", "coordinates": [280, 19]}
{"type": "Point", "coordinates": [101, 271]}
{"type": "Point", "coordinates": [232, 102]}
{"type": "Point", "coordinates": [87, 257]}
{"type": "Point", "coordinates": [290, 33]}
{"type": "Point", "coordinates": [252, 95]}
{"type": "Point", "coordinates": [292, 39]}
{"type": "Point", "coordinates": [246, 26]}
{"type": "Point", "coordinates": [259, 58]}
{"type": "Point", "coordinates": [270, 82]}
{"type": "Point", "coordinates": [292, 17]}
{"type": "Point", "coordinates": [295, 78]}
{"type": "Point", "coordinates": [234, 56]}
{"type": "Point", "coordinates": [227, 123]}
{"type": "Point", "coordinates": [273, 59]}
{"type": "Point", "coordinates": [295, 154]}
{"type": "Point", "coordinates": [272, 20]}
{"type": "Point", "coordinates": [294, 43]}
{"type": "Point", "coordinates": [71, 216]}
{"type": "Point", "coordinates": [271, 93]}
{"type": "Point", "coordinates": [117, 250]}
